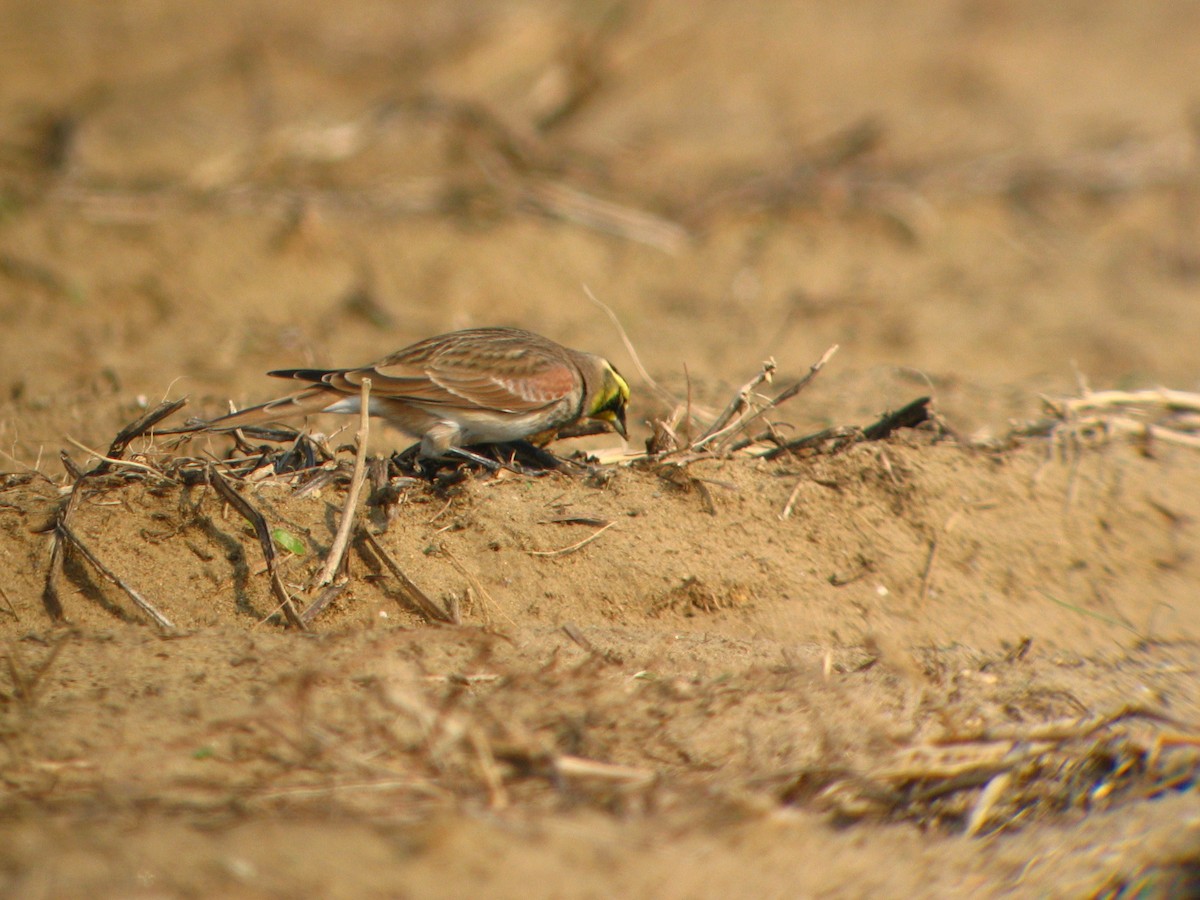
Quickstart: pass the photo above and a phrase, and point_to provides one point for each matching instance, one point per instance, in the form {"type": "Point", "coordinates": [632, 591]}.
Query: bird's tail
{"type": "Point", "coordinates": [306, 402]}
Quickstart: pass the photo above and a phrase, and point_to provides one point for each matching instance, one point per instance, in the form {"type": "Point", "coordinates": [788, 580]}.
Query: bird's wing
{"type": "Point", "coordinates": [526, 388]}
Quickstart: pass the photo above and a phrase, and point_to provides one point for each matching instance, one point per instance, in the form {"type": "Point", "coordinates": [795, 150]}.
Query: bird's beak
{"type": "Point", "coordinates": [616, 420]}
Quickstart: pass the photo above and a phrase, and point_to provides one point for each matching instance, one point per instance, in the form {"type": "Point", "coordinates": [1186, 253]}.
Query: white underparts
{"type": "Point", "coordinates": [439, 439]}
{"type": "Point", "coordinates": [352, 404]}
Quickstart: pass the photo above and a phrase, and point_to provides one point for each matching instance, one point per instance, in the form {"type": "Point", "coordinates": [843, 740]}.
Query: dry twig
{"type": "Point", "coordinates": [64, 532]}
{"type": "Point", "coordinates": [740, 402]}
{"type": "Point", "coordinates": [740, 407]}
{"type": "Point", "coordinates": [337, 553]}
{"type": "Point", "coordinates": [263, 532]}
{"type": "Point", "coordinates": [327, 595]}
{"type": "Point", "coordinates": [415, 595]}
{"type": "Point", "coordinates": [121, 442]}
{"type": "Point", "coordinates": [908, 416]}
{"type": "Point", "coordinates": [60, 527]}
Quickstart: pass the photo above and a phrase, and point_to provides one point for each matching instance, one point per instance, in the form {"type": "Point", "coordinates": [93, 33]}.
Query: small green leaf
{"type": "Point", "coordinates": [288, 541]}
{"type": "Point", "coordinates": [202, 753]}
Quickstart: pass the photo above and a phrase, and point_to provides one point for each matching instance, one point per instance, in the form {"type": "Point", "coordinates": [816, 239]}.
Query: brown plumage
{"type": "Point", "coordinates": [478, 386]}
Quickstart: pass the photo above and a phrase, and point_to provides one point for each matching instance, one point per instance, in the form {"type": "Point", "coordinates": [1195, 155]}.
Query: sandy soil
{"type": "Point", "coordinates": [955, 662]}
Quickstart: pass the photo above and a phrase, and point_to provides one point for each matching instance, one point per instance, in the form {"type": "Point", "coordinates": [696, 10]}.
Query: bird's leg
{"type": "Point", "coordinates": [412, 462]}
{"type": "Point", "coordinates": [415, 461]}
{"type": "Point", "coordinates": [440, 439]}
{"type": "Point", "coordinates": [490, 464]}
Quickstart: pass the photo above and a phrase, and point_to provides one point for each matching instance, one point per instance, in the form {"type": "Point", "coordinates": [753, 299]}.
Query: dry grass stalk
{"type": "Point", "coordinates": [474, 582]}
{"type": "Point", "coordinates": [329, 472]}
{"type": "Point", "coordinates": [1072, 728]}
{"type": "Point", "coordinates": [988, 798]}
{"type": "Point", "coordinates": [563, 551]}
{"type": "Point", "coordinates": [498, 796]}
{"type": "Point", "coordinates": [579, 768]}
{"type": "Point", "coordinates": [1154, 415]}
{"type": "Point", "coordinates": [792, 497]}
{"type": "Point", "coordinates": [337, 552]}
{"type": "Point", "coordinates": [414, 785]}
{"type": "Point", "coordinates": [1057, 764]}
{"type": "Point", "coordinates": [630, 349]}
{"type": "Point", "coordinates": [1164, 398]}
{"type": "Point", "coordinates": [570, 204]}
{"type": "Point", "coordinates": [941, 762]}
{"type": "Point", "coordinates": [110, 461]}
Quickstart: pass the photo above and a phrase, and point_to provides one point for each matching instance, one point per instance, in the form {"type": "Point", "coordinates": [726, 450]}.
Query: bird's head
{"type": "Point", "coordinates": [609, 398]}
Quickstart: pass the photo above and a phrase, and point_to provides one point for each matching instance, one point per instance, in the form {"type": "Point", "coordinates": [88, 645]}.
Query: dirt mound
{"type": "Point", "coordinates": [958, 658]}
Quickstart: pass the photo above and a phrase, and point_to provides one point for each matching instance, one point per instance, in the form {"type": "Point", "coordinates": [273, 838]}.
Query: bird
{"type": "Point", "coordinates": [470, 387]}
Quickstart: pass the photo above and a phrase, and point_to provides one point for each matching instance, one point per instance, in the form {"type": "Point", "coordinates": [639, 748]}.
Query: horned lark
{"type": "Point", "coordinates": [479, 386]}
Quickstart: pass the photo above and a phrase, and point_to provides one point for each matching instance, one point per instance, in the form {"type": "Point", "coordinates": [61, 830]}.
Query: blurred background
{"type": "Point", "coordinates": [985, 198]}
